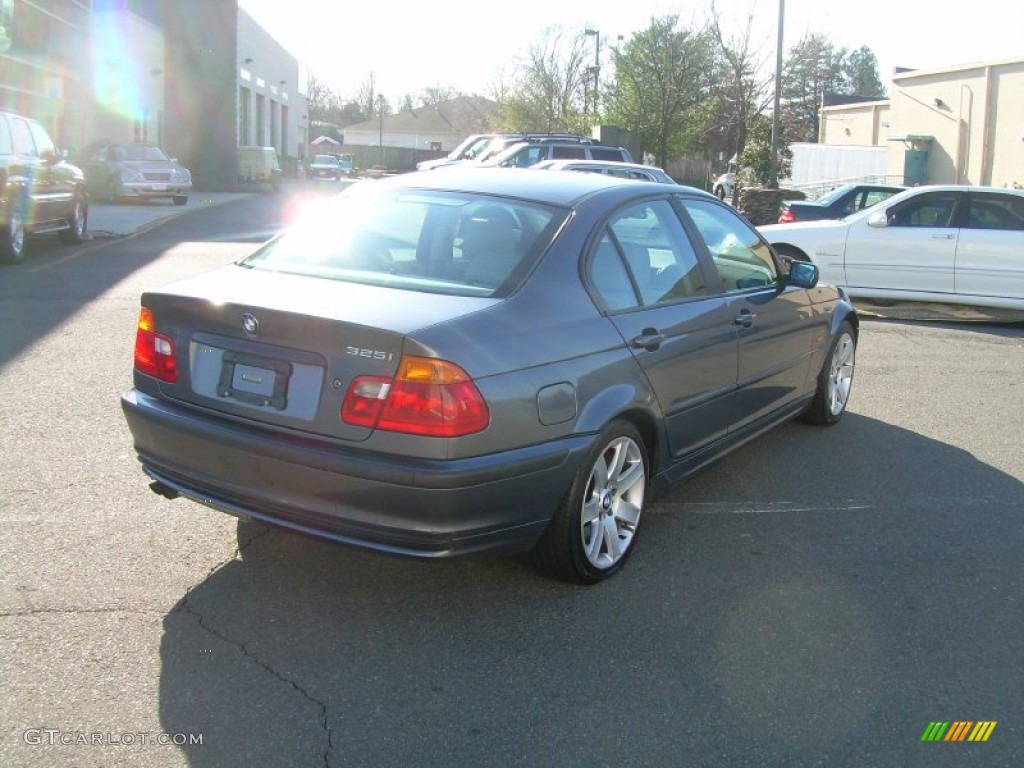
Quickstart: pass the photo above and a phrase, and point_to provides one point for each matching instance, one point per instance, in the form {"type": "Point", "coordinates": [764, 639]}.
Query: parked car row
{"type": "Point", "coordinates": [43, 191]}
{"type": "Point", "coordinates": [141, 170]}
{"type": "Point", "coordinates": [39, 190]}
{"type": "Point", "coordinates": [941, 243]}
{"type": "Point", "coordinates": [330, 167]}
{"type": "Point", "coordinates": [837, 203]}
{"type": "Point", "coordinates": [521, 150]}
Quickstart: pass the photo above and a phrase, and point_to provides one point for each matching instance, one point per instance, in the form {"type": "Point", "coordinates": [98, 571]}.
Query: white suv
{"type": "Point", "coordinates": [527, 153]}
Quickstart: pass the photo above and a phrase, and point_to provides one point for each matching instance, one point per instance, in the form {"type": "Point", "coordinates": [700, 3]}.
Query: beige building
{"type": "Point", "coordinates": [960, 125]}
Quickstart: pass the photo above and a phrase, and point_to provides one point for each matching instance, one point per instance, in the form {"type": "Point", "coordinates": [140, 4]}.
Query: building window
{"type": "Point", "coordinates": [244, 116]}
{"type": "Point", "coordinates": [284, 129]}
{"type": "Point", "coordinates": [273, 125]}
{"type": "Point", "coordinates": [260, 109]}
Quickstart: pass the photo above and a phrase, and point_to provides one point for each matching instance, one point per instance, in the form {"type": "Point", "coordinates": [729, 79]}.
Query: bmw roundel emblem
{"type": "Point", "coordinates": [250, 323]}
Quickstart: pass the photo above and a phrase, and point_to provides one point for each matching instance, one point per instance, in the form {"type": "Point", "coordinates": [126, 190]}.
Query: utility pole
{"type": "Point", "coordinates": [773, 161]}
{"type": "Point", "coordinates": [380, 137]}
{"type": "Point", "coordinates": [596, 69]}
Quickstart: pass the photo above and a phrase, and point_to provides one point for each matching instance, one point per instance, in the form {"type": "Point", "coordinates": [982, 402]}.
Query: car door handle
{"type": "Point", "coordinates": [649, 339]}
{"type": "Point", "coordinates": [943, 237]}
{"type": "Point", "coordinates": [745, 318]}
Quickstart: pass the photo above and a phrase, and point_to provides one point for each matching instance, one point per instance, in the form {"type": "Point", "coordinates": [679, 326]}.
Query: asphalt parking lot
{"type": "Point", "coordinates": [819, 597]}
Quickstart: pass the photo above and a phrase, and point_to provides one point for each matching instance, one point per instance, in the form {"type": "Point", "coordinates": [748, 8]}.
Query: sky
{"type": "Point", "coordinates": [468, 46]}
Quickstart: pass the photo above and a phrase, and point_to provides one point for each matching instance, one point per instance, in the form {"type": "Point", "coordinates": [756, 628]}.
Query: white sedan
{"type": "Point", "coordinates": [943, 243]}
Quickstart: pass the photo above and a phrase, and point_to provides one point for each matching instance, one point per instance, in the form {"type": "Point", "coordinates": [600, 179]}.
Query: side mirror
{"type": "Point", "coordinates": [803, 274]}
{"type": "Point", "coordinates": [878, 219]}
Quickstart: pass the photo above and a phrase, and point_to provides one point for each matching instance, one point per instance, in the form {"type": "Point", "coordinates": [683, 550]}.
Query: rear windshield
{"type": "Point", "coordinates": [420, 240]}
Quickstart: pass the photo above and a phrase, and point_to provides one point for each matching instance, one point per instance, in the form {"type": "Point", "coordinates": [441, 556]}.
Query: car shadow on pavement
{"type": "Point", "coordinates": [39, 295]}
{"type": "Point", "coordinates": [807, 596]}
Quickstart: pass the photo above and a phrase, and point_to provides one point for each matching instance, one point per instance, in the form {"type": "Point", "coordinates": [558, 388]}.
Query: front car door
{"type": "Point", "coordinates": [990, 248]}
{"type": "Point", "coordinates": [914, 252]}
{"type": "Point", "coordinates": [56, 178]}
{"type": "Point", "coordinates": [30, 166]}
{"type": "Point", "coordinates": [646, 275]}
{"type": "Point", "coordinates": [776, 337]}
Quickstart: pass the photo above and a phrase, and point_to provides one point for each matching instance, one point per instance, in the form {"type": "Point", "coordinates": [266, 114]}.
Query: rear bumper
{"type": "Point", "coordinates": [500, 503]}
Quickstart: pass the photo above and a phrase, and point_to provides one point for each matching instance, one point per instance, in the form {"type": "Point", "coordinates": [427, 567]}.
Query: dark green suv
{"type": "Point", "coordinates": [39, 191]}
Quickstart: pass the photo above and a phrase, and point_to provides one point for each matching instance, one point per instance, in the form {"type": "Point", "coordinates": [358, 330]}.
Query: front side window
{"type": "Point", "coordinates": [419, 240]}
{"type": "Point", "coordinates": [6, 145]}
{"type": "Point", "coordinates": [743, 260]}
{"type": "Point", "coordinates": [527, 156]}
{"type": "Point", "coordinates": [928, 210]}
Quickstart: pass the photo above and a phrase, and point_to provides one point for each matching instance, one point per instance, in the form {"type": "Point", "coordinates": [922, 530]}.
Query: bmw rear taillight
{"type": "Point", "coordinates": [786, 216]}
{"type": "Point", "coordinates": [426, 397]}
{"type": "Point", "coordinates": [154, 352]}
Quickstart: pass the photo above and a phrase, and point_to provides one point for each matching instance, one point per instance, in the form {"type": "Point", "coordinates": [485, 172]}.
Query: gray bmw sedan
{"type": "Point", "coordinates": [482, 361]}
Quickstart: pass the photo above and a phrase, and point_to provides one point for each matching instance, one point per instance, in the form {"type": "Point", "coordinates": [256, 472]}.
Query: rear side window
{"type": "Point", "coordinates": [608, 153]}
{"type": "Point", "coordinates": [647, 245]}
{"type": "Point", "coordinates": [561, 152]}
{"type": "Point", "coordinates": [44, 144]}
{"type": "Point", "coordinates": [987, 211]}
{"type": "Point", "coordinates": [432, 242]}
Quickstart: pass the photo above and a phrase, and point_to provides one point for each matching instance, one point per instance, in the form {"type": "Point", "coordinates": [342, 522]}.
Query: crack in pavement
{"type": "Point", "coordinates": [185, 606]}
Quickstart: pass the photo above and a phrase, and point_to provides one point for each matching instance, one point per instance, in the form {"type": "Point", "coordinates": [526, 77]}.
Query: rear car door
{"type": "Point", "coordinates": [915, 251]}
{"type": "Point", "coordinates": [56, 177]}
{"type": "Point", "coordinates": [646, 275]}
{"type": "Point", "coordinates": [990, 248]}
{"type": "Point", "coordinates": [775, 339]}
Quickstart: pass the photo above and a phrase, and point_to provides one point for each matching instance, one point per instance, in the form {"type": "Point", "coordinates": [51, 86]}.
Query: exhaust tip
{"type": "Point", "coordinates": [162, 490]}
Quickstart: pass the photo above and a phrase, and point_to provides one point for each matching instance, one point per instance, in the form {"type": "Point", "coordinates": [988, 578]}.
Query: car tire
{"type": "Point", "coordinates": [594, 530]}
{"type": "Point", "coordinates": [114, 191]}
{"type": "Point", "coordinates": [720, 193]}
{"type": "Point", "coordinates": [791, 253]}
{"type": "Point", "coordinates": [835, 379]}
{"type": "Point", "coordinates": [12, 236]}
{"type": "Point", "coordinates": [77, 222]}
{"type": "Point", "coordinates": [180, 199]}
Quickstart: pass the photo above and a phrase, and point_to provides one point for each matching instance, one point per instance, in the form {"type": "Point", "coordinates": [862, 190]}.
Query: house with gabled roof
{"type": "Point", "coordinates": [401, 139]}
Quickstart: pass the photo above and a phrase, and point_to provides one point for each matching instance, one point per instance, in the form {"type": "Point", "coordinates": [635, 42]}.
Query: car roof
{"type": "Point", "coordinates": [910, 192]}
{"type": "Point", "coordinates": [555, 164]}
{"type": "Point", "coordinates": [562, 189]}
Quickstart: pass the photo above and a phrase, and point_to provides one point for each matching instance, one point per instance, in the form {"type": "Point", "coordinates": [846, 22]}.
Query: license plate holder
{"type": "Point", "coordinates": [254, 380]}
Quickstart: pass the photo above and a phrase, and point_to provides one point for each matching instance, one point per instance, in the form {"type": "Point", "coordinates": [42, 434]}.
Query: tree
{"type": "Point", "coordinates": [663, 81]}
{"type": "Point", "coordinates": [431, 97]}
{"type": "Point", "coordinates": [548, 90]}
{"type": "Point", "coordinates": [755, 162]}
{"type": "Point", "coordinates": [815, 70]}
{"type": "Point", "coordinates": [812, 70]}
{"type": "Point", "coordinates": [740, 92]}
{"type": "Point", "coordinates": [322, 105]}
{"type": "Point", "coordinates": [862, 73]}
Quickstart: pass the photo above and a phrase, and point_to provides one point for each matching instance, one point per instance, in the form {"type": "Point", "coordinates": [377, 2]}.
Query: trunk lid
{"type": "Point", "coordinates": [282, 349]}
